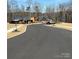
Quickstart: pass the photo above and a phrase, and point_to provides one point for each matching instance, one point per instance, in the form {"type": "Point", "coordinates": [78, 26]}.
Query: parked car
{"type": "Point", "coordinates": [18, 20]}
{"type": "Point", "coordinates": [22, 20]}
{"type": "Point", "coordinates": [14, 21]}
{"type": "Point", "coordinates": [50, 21]}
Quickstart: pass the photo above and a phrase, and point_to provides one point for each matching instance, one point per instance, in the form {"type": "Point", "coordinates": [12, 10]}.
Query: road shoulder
{"type": "Point", "coordinates": [67, 26]}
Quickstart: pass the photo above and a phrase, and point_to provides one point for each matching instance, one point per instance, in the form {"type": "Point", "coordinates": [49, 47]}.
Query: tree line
{"type": "Point", "coordinates": [60, 13]}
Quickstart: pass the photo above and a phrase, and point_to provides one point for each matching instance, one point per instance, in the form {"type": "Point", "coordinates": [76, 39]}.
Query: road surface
{"type": "Point", "coordinates": [41, 42]}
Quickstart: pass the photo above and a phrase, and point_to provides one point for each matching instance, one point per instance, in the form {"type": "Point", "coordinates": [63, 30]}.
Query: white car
{"type": "Point", "coordinates": [50, 21]}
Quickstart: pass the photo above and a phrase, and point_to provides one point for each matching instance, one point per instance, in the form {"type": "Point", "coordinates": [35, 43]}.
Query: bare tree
{"type": "Point", "coordinates": [65, 13]}
{"type": "Point", "coordinates": [37, 10]}
{"type": "Point", "coordinates": [9, 16]}
{"type": "Point", "coordinates": [61, 13]}
{"type": "Point", "coordinates": [21, 8]}
{"type": "Point", "coordinates": [50, 11]}
{"type": "Point", "coordinates": [11, 6]}
{"type": "Point", "coordinates": [14, 7]}
{"type": "Point", "coordinates": [61, 10]}
{"type": "Point", "coordinates": [28, 7]}
{"type": "Point", "coordinates": [8, 6]}
{"type": "Point", "coordinates": [69, 12]}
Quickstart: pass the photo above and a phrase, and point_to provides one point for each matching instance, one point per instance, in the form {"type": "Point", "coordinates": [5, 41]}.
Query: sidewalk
{"type": "Point", "coordinates": [11, 28]}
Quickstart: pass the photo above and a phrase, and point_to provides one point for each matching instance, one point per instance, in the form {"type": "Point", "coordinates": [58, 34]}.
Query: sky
{"type": "Point", "coordinates": [43, 3]}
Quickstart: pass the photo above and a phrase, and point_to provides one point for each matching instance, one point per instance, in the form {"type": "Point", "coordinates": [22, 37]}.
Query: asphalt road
{"type": "Point", "coordinates": [41, 42]}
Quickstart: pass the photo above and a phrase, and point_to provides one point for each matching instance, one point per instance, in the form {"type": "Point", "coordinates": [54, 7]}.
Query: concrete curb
{"type": "Point", "coordinates": [12, 29]}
